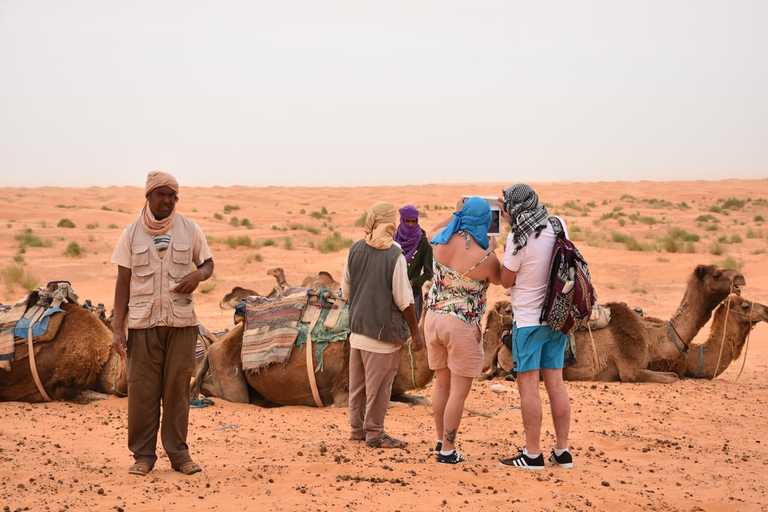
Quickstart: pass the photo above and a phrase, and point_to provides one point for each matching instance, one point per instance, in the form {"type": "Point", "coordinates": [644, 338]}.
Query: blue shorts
{"type": "Point", "coordinates": [537, 347]}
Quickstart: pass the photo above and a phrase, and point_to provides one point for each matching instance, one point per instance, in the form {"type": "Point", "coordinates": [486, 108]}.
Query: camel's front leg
{"type": "Point", "coordinates": [643, 375]}
{"type": "Point", "coordinates": [227, 374]}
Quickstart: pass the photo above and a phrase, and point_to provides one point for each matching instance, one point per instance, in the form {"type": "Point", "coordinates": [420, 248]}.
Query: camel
{"type": "Point", "coordinates": [699, 362]}
{"type": "Point", "coordinates": [323, 279]}
{"type": "Point", "coordinates": [221, 375]}
{"type": "Point", "coordinates": [79, 358]}
{"type": "Point", "coordinates": [630, 343]}
{"type": "Point", "coordinates": [233, 298]}
{"type": "Point", "coordinates": [498, 318]}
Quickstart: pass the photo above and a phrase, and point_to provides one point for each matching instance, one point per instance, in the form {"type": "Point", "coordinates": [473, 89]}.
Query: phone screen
{"type": "Point", "coordinates": [495, 228]}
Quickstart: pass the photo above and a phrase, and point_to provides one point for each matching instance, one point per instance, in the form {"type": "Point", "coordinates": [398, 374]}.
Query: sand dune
{"type": "Point", "coordinates": [694, 445]}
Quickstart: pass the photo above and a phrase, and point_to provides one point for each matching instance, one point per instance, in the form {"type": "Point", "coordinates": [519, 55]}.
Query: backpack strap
{"type": "Point", "coordinates": [557, 227]}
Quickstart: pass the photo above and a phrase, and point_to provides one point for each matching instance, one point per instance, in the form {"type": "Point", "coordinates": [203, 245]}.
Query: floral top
{"type": "Point", "coordinates": [456, 294]}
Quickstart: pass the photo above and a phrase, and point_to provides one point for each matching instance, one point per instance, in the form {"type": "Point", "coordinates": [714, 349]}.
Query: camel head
{"type": "Point", "coordinates": [499, 317]}
{"type": "Point", "coordinates": [233, 298]}
{"type": "Point", "coordinates": [715, 283]}
{"type": "Point", "coordinates": [741, 313]}
{"type": "Point", "coordinates": [113, 379]}
{"type": "Point", "coordinates": [278, 273]}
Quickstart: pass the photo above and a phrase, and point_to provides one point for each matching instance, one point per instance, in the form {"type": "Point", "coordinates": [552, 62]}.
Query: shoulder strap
{"type": "Point", "coordinates": [557, 227]}
{"type": "Point", "coordinates": [473, 267]}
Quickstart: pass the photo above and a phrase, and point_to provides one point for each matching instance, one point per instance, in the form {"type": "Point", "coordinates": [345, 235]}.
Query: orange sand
{"type": "Point", "coordinates": [694, 445]}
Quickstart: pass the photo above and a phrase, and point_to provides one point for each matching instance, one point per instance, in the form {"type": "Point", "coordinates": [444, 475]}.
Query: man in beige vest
{"type": "Point", "coordinates": [162, 257]}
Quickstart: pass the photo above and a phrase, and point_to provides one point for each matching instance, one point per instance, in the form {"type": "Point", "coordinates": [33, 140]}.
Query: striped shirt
{"type": "Point", "coordinates": [161, 243]}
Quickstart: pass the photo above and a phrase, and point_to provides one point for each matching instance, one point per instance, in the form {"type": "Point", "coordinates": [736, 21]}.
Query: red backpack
{"type": "Point", "coordinates": [570, 294]}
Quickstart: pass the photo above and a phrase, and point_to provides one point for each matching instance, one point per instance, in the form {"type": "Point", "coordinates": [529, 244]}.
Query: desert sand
{"type": "Point", "coordinates": [690, 446]}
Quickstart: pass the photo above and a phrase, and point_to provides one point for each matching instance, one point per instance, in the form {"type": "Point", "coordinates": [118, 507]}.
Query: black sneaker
{"type": "Point", "coordinates": [438, 447]}
{"type": "Point", "coordinates": [564, 460]}
{"type": "Point", "coordinates": [454, 458]}
{"type": "Point", "coordinates": [523, 461]}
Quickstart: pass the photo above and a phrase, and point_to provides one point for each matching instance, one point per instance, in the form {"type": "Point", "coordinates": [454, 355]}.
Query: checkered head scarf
{"type": "Point", "coordinates": [527, 214]}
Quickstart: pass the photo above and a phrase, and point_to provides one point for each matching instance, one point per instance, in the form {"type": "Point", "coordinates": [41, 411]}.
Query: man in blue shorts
{"type": "Point", "coordinates": [535, 347]}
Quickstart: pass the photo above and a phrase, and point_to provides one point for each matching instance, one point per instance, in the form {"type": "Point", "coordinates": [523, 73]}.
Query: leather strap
{"type": "Point", "coordinates": [32, 365]}
{"type": "Point", "coordinates": [312, 314]}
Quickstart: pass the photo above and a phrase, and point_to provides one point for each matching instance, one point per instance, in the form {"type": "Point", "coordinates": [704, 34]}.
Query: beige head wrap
{"type": "Point", "coordinates": [380, 225]}
{"type": "Point", "coordinates": [153, 226]}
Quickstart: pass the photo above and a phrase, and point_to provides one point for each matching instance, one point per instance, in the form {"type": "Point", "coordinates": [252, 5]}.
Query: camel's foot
{"type": "Point", "coordinates": [87, 397]}
{"type": "Point", "coordinates": [411, 399]}
{"type": "Point", "coordinates": [643, 375]}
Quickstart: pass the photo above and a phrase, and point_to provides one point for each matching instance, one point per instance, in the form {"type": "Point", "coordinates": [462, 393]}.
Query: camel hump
{"type": "Point", "coordinates": [627, 330]}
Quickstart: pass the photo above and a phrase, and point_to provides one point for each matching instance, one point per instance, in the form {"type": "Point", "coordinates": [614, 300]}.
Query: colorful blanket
{"type": "Point", "coordinates": [8, 320]}
{"type": "Point", "coordinates": [271, 328]}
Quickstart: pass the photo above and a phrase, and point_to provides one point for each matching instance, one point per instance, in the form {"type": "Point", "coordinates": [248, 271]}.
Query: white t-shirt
{"type": "Point", "coordinates": [403, 296]}
{"type": "Point", "coordinates": [531, 264]}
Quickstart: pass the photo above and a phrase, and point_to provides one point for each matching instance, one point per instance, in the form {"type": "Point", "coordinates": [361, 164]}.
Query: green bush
{"type": "Point", "coordinates": [324, 210]}
{"type": "Point", "coordinates": [113, 226]}
{"type": "Point", "coordinates": [710, 227]}
{"type": "Point", "coordinates": [16, 274]}
{"type": "Point", "coordinates": [715, 209]}
{"type": "Point", "coordinates": [360, 222]}
{"type": "Point", "coordinates": [642, 219]}
{"type": "Point", "coordinates": [706, 218]}
{"type": "Point", "coordinates": [316, 215]}
{"type": "Point", "coordinates": [254, 257]}
{"type": "Point", "coordinates": [92, 226]}
{"type": "Point", "coordinates": [106, 208]}
{"type": "Point", "coordinates": [733, 204]}
{"type": "Point", "coordinates": [239, 241]}
{"type": "Point", "coordinates": [234, 221]}
{"type": "Point", "coordinates": [731, 263]}
{"type": "Point", "coordinates": [736, 239]}
{"type": "Point", "coordinates": [268, 242]}
{"type": "Point", "coordinates": [681, 234]}
{"type": "Point", "coordinates": [28, 239]}
{"type": "Point", "coordinates": [334, 243]}
{"type": "Point", "coordinates": [288, 243]}
{"type": "Point", "coordinates": [66, 223]}
{"type": "Point", "coordinates": [246, 223]}
{"type": "Point", "coordinates": [758, 218]}
{"type": "Point", "coordinates": [218, 216]}
{"type": "Point", "coordinates": [716, 248]}
{"type": "Point", "coordinates": [73, 249]}
{"type": "Point", "coordinates": [628, 241]}
{"type": "Point", "coordinates": [302, 211]}
{"type": "Point", "coordinates": [229, 208]}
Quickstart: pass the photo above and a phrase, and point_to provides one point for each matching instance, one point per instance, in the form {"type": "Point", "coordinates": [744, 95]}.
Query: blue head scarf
{"type": "Point", "coordinates": [474, 218]}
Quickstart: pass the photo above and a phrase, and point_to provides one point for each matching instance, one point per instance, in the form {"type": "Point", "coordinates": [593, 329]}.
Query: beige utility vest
{"type": "Point", "coordinates": [152, 302]}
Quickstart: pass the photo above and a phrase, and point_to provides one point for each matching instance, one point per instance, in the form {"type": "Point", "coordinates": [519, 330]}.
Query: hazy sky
{"type": "Point", "coordinates": [333, 92]}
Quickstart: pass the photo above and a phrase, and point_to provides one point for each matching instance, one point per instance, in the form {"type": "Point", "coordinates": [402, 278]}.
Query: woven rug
{"type": "Point", "coordinates": [271, 328]}
{"type": "Point", "coordinates": [8, 320]}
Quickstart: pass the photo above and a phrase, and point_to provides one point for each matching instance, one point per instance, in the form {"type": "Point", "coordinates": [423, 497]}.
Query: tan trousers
{"type": "Point", "coordinates": [370, 387]}
{"type": "Point", "coordinates": [160, 363]}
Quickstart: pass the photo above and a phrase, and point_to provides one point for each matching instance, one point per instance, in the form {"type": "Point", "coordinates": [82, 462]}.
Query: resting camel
{"type": "Point", "coordinates": [630, 343]}
{"type": "Point", "coordinates": [498, 318]}
{"type": "Point", "coordinates": [221, 374]}
{"type": "Point", "coordinates": [323, 279]}
{"type": "Point", "coordinates": [233, 298]}
{"type": "Point", "coordinates": [699, 362]}
{"type": "Point", "coordinates": [79, 358]}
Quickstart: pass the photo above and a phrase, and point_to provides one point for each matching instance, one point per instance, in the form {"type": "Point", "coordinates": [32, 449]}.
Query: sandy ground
{"type": "Point", "coordinates": [690, 446]}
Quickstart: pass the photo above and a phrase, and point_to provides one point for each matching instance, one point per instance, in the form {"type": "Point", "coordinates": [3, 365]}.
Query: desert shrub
{"type": "Point", "coordinates": [628, 198]}
{"type": "Point", "coordinates": [65, 223]}
{"type": "Point", "coordinates": [662, 259]}
{"type": "Point", "coordinates": [234, 221]}
{"type": "Point", "coordinates": [302, 211]}
{"type": "Point", "coordinates": [17, 275]}
{"type": "Point", "coordinates": [73, 249]}
{"type": "Point", "coordinates": [683, 206]}
{"type": "Point", "coordinates": [324, 210]}
{"type": "Point", "coordinates": [268, 242]}
{"type": "Point", "coordinates": [733, 204]}
{"type": "Point", "coordinates": [605, 202]}
{"type": "Point", "coordinates": [753, 234]}
{"type": "Point", "coordinates": [622, 222]}
{"type": "Point", "coordinates": [229, 208]}
{"type": "Point", "coordinates": [591, 204]}
{"type": "Point", "coordinates": [710, 227]}
{"type": "Point", "coordinates": [92, 226]}
{"type": "Point", "coordinates": [636, 288]}
{"type": "Point", "coordinates": [706, 218]}
{"type": "Point", "coordinates": [736, 239]}
{"type": "Point", "coordinates": [628, 241]}
{"type": "Point", "coordinates": [618, 208]}
{"type": "Point", "coordinates": [681, 234]}
{"type": "Point", "coordinates": [758, 251]}
{"type": "Point", "coordinates": [731, 263]}
{"type": "Point", "coordinates": [254, 257]}
{"type": "Point", "coordinates": [659, 203]}
{"type": "Point", "coordinates": [194, 210]}
{"type": "Point", "coordinates": [106, 208]}
{"type": "Point", "coordinates": [715, 209]}
{"type": "Point", "coordinates": [246, 223]}
{"type": "Point", "coordinates": [311, 244]}
{"type": "Point", "coordinates": [65, 206]}
{"type": "Point", "coordinates": [18, 257]}
{"type": "Point", "coordinates": [758, 218]}
{"type": "Point", "coordinates": [723, 239]}
{"type": "Point", "coordinates": [288, 243]}
{"type": "Point", "coordinates": [360, 222]}
{"type": "Point", "coordinates": [716, 248]}
{"type": "Point", "coordinates": [316, 215]}
{"type": "Point", "coordinates": [334, 243]}
{"type": "Point", "coordinates": [218, 216]}
{"type": "Point", "coordinates": [239, 241]}
{"type": "Point", "coordinates": [643, 219]}
{"type": "Point", "coordinates": [760, 202]}
{"type": "Point", "coordinates": [289, 212]}
{"type": "Point", "coordinates": [28, 239]}
{"type": "Point", "coordinates": [113, 226]}
{"type": "Point", "coordinates": [207, 287]}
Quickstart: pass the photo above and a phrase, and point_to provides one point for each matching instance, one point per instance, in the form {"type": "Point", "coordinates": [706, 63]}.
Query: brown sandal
{"type": "Point", "coordinates": [189, 468]}
{"type": "Point", "coordinates": [141, 468]}
{"type": "Point", "coordinates": [386, 441]}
